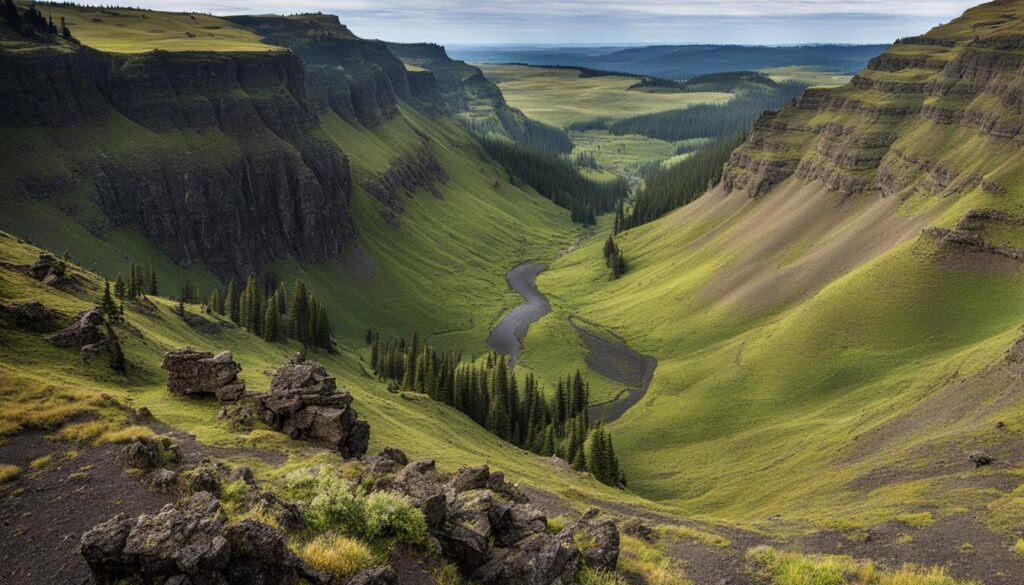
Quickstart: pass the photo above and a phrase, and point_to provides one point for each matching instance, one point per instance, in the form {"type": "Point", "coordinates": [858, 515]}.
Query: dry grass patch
{"type": "Point", "coordinates": [338, 555]}
{"type": "Point", "coordinates": [9, 473]}
{"type": "Point", "coordinates": [649, 562]}
{"type": "Point", "coordinates": [794, 568]}
{"type": "Point", "coordinates": [687, 533]}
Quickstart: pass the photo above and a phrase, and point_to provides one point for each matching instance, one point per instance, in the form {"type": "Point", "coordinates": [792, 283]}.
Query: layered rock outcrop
{"type": "Point", "coordinates": [84, 332]}
{"type": "Point", "coordinates": [192, 543]}
{"type": "Point", "coordinates": [304, 403]}
{"type": "Point", "coordinates": [196, 374]}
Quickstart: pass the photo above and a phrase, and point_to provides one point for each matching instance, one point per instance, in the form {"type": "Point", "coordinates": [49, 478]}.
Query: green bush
{"type": "Point", "coordinates": [331, 503]}
{"type": "Point", "coordinates": [391, 514]}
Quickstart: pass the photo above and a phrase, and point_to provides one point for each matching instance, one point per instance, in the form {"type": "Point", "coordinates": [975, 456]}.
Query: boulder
{"type": "Point", "coordinates": [31, 316]}
{"type": "Point", "coordinates": [466, 533]}
{"type": "Point", "coordinates": [205, 477]}
{"type": "Point", "coordinates": [469, 478]}
{"type": "Point", "coordinates": [980, 459]}
{"type": "Point", "coordinates": [638, 529]}
{"type": "Point", "coordinates": [192, 543]}
{"type": "Point", "coordinates": [541, 559]}
{"type": "Point", "coordinates": [421, 483]}
{"type": "Point", "coordinates": [516, 523]}
{"type": "Point", "coordinates": [140, 454]}
{"type": "Point", "coordinates": [374, 576]}
{"type": "Point", "coordinates": [598, 539]}
{"type": "Point", "coordinates": [304, 403]}
{"type": "Point", "coordinates": [47, 269]}
{"type": "Point", "coordinates": [197, 374]}
{"type": "Point", "coordinates": [84, 331]}
{"type": "Point", "coordinates": [163, 480]}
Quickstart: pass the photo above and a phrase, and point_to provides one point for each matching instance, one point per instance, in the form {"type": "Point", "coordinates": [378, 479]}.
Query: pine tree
{"type": "Point", "coordinates": [107, 305]}
{"type": "Point", "coordinates": [298, 313]}
{"type": "Point", "coordinates": [271, 323]}
{"type": "Point", "coordinates": [151, 288]}
{"type": "Point", "coordinates": [215, 302]}
{"type": "Point", "coordinates": [369, 336]}
{"type": "Point", "coordinates": [119, 289]}
{"type": "Point", "coordinates": [620, 266]}
{"type": "Point", "coordinates": [232, 301]}
{"type": "Point", "coordinates": [180, 308]}
{"type": "Point", "coordinates": [117, 362]}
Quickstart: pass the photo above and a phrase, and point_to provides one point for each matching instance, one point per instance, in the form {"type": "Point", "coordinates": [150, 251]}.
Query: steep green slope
{"type": "Point", "coordinates": [46, 387]}
{"type": "Point", "coordinates": [329, 162]}
{"type": "Point", "coordinates": [820, 356]}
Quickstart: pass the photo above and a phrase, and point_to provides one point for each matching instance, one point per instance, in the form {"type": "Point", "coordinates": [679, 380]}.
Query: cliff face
{"type": "Point", "coordinates": [905, 125]}
{"type": "Point", "coordinates": [273, 184]}
{"type": "Point", "coordinates": [357, 78]}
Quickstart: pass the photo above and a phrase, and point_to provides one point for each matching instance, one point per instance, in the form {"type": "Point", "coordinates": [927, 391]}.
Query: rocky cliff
{"type": "Point", "coordinates": [902, 126]}
{"type": "Point", "coordinates": [219, 158]}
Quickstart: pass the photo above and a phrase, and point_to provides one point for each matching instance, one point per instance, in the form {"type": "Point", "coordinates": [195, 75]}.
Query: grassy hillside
{"type": "Point", "coordinates": [820, 357]}
{"type": "Point", "coordinates": [562, 96]}
{"type": "Point", "coordinates": [51, 388]}
{"type": "Point", "coordinates": [130, 30]}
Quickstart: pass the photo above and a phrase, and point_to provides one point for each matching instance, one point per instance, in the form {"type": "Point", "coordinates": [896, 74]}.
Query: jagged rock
{"type": "Point", "coordinates": [139, 454]}
{"type": "Point", "coordinates": [387, 461]}
{"type": "Point", "coordinates": [47, 269]}
{"type": "Point", "coordinates": [30, 316]}
{"type": "Point", "coordinates": [287, 515]}
{"type": "Point", "coordinates": [243, 474]}
{"type": "Point", "coordinates": [396, 455]}
{"type": "Point", "coordinates": [260, 556]}
{"type": "Point", "coordinates": [420, 482]}
{"type": "Point", "coordinates": [199, 373]}
{"type": "Point", "coordinates": [205, 477]}
{"type": "Point", "coordinates": [374, 576]}
{"type": "Point", "coordinates": [498, 485]}
{"type": "Point", "coordinates": [638, 529]}
{"type": "Point", "coordinates": [541, 559]}
{"type": "Point", "coordinates": [303, 403]}
{"type": "Point", "coordinates": [163, 480]}
{"type": "Point", "coordinates": [466, 533]}
{"type": "Point", "coordinates": [242, 414]}
{"type": "Point", "coordinates": [599, 540]}
{"type": "Point", "coordinates": [191, 543]}
{"type": "Point", "coordinates": [84, 331]}
{"type": "Point", "coordinates": [515, 523]}
{"type": "Point", "coordinates": [469, 478]}
{"type": "Point", "coordinates": [980, 459]}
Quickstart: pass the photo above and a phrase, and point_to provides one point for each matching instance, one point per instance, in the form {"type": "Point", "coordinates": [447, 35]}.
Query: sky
{"type": "Point", "coordinates": [597, 22]}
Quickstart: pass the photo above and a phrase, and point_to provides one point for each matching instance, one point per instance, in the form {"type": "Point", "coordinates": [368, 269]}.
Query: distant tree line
{"type": "Point", "coordinates": [708, 120]}
{"type": "Point", "coordinates": [558, 179]}
{"type": "Point", "coordinates": [31, 22]}
{"type": "Point", "coordinates": [613, 257]}
{"type": "Point", "coordinates": [489, 393]}
{"type": "Point", "coordinates": [666, 188]}
{"type": "Point", "coordinates": [274, 313]}
{"type": "Point", "coordinates": [526, 132]}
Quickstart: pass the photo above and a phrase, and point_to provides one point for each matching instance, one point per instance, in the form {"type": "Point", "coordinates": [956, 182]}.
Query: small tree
{"type": "Point", "coordinates": [107, 306]}
{"type": "Point", "coordinates": [117, 361]}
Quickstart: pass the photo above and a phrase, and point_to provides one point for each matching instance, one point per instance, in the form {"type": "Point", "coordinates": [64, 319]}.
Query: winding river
{"type": "Point", "coordinates": [611, 358]}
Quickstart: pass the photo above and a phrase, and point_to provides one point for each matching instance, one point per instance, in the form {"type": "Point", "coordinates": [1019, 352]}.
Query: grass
{"type": "Point", "coordinates": [9, 473]}
{"type": "Point", "coordinates": [680, 532]}
{"type": "Point", "coordinates": [560, 96]}
{"type": "Point", "coordinates": [130, 30]}
{"type": "Point", "coordinates": [337, 555]}
{"type": "Point", "coordinates": [650, 562]}
{"type": "Point", "coordinates": [792, 568]}
{"type": "Point", "coordinates": [814, 338]}
{"type": "Point", "coordinates": [808, 75]}
{"type": "Point", "coordinates": [1018, 547]}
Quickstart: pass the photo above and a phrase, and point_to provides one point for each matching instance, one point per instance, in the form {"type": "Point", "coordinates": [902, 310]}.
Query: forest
{"type": "Point", "coordinates": [557, 178]}
{"type": "Point", "coordinates": [487, 390]}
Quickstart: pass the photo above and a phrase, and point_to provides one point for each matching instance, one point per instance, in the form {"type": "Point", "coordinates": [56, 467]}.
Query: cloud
{"type": "Point", "coordinates": [612, 21]}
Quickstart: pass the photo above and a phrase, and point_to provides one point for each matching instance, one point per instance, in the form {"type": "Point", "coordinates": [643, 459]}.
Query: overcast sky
{"type": "Point", "coordinates": [611, 21]}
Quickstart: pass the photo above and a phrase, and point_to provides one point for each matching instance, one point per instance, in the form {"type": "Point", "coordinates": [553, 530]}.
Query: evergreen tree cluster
{"type": "Point", "coordinates": [613, 258]}
{"type": "Point", "coordinates": [31, 21]}
{"type": "Point", "coordinates": [511, 125]}
{"type": "Point", "coordinates": [489, 392]}
{"type": "Point", "coordinates": [267, 309]}
{"type": "Point", "coordinates": [668, 188]}
{"type": "Point", "coordinates": [558, 179]}
{"type": "Point", "coordinates": [709, 120]}
{"type": "Point", "coordinates": [137, 284]}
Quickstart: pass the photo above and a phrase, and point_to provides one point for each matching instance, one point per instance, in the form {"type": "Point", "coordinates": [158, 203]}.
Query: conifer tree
{"type": "Point", "coordinates": [298, 313]}
{"type": "Point", "coordinates": [119, 288]}
{"type": "Point", "coordinates": [151, 287]}
{"type": "Point", "coordinates": [107, 305]}
{"type": "Point", "coordinates": [215, 302]}
{"type": "Point", "coordinates": [271, 323]}
{"type": "Point", "coordinates": [117, 361]}
{"type": "Point", "coordinates": [232, 300]}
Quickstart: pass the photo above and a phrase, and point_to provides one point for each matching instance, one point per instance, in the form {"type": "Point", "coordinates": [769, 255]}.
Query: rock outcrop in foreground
{"type": "Point", "coordinates": [192, 543]}
{"type": "Point", "coordinates": [196, 374]}
{"type": "Point", "coordinates": [304, 403]}
{"type": "Point", "coordinates": [84, 332]}
{"type": "Point", "coordinates": [487, 526]}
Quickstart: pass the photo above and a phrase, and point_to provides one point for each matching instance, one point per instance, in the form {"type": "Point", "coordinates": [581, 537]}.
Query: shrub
{"type": "Point", "coordinates": [9, 473]}
{"type": "Point", "coordinates": [1019, 547]}
{"type": "Point", "coordinates": [336, 554]}
{"type": "Point", "coordinates": [335, 507]}
{"type": "Point", "coordinates": [392, 514]}
{"type": "Point", "coordinates": [447, 574]}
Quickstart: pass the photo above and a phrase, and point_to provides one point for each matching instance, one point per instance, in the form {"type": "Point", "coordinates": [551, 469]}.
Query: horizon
{"type": "Point", "coordinates": [575, 23]}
